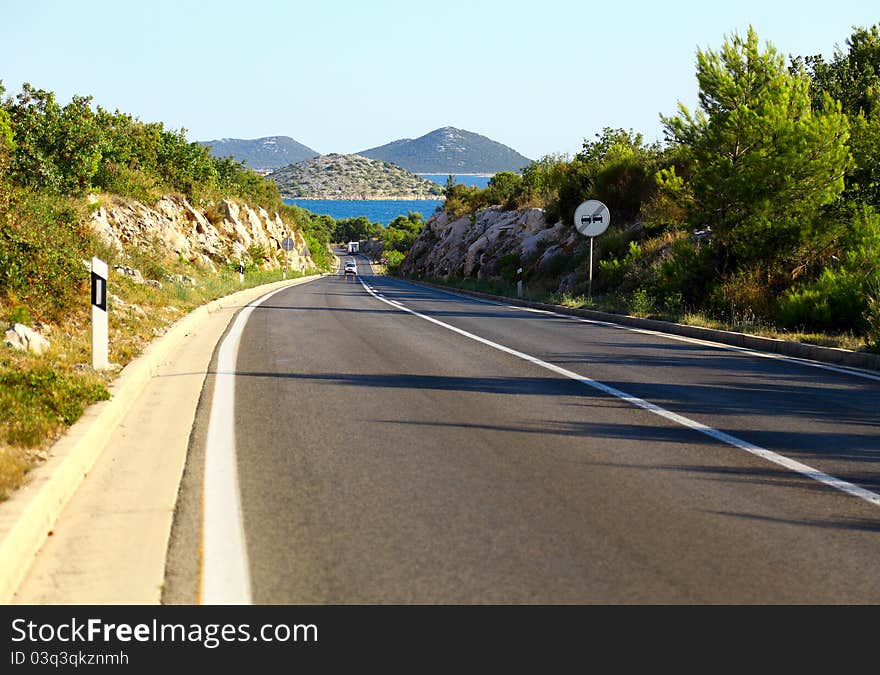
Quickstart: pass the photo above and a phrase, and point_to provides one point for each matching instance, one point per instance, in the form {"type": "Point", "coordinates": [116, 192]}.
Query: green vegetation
{"type": "Point", "coordinates": [401, 233]}
{"type": "Point", "coordinates": [764, 203]}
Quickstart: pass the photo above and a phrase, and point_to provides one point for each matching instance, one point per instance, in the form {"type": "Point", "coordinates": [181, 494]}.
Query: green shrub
{"type": "Point", "coordinates": [688, 269]}
{"type": "Point", "coordinates": [42, 245]}
{"type": "Point", "coordinates": [393, 258]}
{"type": "Point", "coordinates": [121, 180]}
{"type": "Point", "coordinates": [20, 314]}
{"type": "Point", "coordinates": [617, 271]}
{"type": "Point", "coordinates": [872, 321]}
{"type": "Point", "coordinates": [641, 303]}
{"type": "Point", "coordinates": [836, 301]}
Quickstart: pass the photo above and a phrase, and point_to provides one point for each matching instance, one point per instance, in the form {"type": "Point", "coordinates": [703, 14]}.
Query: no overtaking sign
{"type": "Point", "coordinates": [592, 218]}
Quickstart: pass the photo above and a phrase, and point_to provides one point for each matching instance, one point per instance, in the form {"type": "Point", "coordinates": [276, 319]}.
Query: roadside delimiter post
{"type": "Point", "coordinates": [100, 348]}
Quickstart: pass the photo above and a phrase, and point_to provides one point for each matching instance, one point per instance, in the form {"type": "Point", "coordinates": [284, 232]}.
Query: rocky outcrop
{"type": "Point", "coordinates": [222, 233]}
{"type": "Point", "coordinates": [476, 245]}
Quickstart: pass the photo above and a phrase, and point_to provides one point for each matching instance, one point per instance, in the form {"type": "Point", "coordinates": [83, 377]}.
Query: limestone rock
{"type": "Point", "coordinates": [131, 273]}
{"type": "Point", "coordinates": [178, 229]}
{"type": "Point", "coordinates": [473, 245]}
{"type": "Point", "coordinates": [25, 338]}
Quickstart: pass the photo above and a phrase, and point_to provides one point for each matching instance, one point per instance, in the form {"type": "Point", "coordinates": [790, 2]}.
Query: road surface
{"type": "Point", "coordinates": [397, 444]}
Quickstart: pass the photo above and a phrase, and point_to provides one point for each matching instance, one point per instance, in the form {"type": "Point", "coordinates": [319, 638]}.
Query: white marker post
{"type": "Point", "coordinates": [591, 219]}
{"type": "Point", "coordinates": [519, 293]}
{"type": "Point", "coordinates": [100, 348]}
{"type": "Point", "coordinates": [240, 271]}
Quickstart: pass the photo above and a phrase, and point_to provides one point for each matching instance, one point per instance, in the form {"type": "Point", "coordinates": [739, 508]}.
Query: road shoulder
{"type": "Point", "coordinates": [92, 524]}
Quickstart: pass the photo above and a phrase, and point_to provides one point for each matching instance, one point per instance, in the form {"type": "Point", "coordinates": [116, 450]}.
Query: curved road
{"type": "Point", "coordinates": [397, 444]}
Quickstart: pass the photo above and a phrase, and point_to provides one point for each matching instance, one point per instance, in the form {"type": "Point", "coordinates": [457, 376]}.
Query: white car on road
{"type": "Point", "coordinates": [351, 267]}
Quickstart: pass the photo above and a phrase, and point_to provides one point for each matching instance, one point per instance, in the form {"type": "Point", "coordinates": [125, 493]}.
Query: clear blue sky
{"type": "Point", "coordinates": [343, 76]}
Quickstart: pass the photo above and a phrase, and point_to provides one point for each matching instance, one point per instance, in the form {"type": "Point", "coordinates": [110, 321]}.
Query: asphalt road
{"type": "Point", "coordinates": [447, 450]}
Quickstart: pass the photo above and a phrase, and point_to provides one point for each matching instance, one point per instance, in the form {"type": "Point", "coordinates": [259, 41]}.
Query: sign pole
{"type": "Point", "coordinates": [100, 347]}
{"type": "Point", "coordinates": [287, 244]}
{"type": "Point", "coordinates": [590, 291]}
{"type": "Point", "coordinates": [591, 219]}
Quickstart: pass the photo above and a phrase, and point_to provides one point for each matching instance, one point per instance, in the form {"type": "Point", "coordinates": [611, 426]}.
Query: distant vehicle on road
{"type": "Point", "coordinates": [351, 267]}
{"type": "Point", "coordinates": [353, 247]}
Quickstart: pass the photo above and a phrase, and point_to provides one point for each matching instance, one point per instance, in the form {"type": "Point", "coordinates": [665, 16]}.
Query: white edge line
{"type": "Point", "coordinates": [224, 574]}
{"type": "Point", "coordinates": [769, 455]}
{"type": "Point", "coordinates": [843, 370]}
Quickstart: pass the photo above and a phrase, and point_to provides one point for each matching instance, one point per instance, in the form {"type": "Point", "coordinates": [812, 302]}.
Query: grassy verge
{"type": "Point", "coordinates": [41, 396]}
{"type": "Point", "coordinates": [642, 306]}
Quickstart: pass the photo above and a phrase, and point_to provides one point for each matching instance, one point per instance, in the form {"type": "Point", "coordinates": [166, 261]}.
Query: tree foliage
{"type": "Point", "coordinates": [852, 77]}
{"type": "Point", "coordinates": [72, 149]}
{"type": "Point", "coordinates": [763, 160]}
{"type": "Point", "coordinates": [401, 233]}
{"type": "Point", "coordinates": [355, 229]}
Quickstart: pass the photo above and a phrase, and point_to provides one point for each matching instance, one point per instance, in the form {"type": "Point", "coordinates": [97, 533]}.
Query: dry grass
{"type": "Point", "coordinates": [760, 329]}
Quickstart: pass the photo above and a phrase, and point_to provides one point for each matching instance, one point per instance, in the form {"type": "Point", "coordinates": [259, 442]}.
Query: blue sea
{"type": "Point", "coordinates": [376, 210]}
{"type": "Point", "coordinates": [385, 210]}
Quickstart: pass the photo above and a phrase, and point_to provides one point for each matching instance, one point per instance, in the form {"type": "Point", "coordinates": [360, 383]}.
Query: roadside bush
{"type": "Point", "coordinates": [641, 303]}
{"type": "Point", "coordinates": [688, 269]}
{"type": "Point", "coordinates": [835, 301]}
{"type": "Point", "coordinates": [393, 258]}
{"type": "Point", "coordinates": [872, 320]}
{"type": "Point", "coordinates": [503, 188]}
{"type": "Point", "coordinates": [614, 243]}
{"type": "Point", "coordinates": [42, 246]}
{"type": "Point", "coordinates": [623, 273]}
{"type": "Point", "coordinates": [745, 292]}
{"type": "Point", "coordinates": [122, 180]}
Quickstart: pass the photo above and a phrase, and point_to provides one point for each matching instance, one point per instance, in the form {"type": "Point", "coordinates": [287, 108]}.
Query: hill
{"type": "Point", "coordinates": [337, 176]}
{"type": "Point", "coordinates": [261, 154]}
{"type": "Point", "coordinates": [450, 150]}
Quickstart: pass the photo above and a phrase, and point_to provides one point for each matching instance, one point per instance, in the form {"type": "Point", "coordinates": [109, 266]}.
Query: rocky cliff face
{"type": "Point", "coordinates": [223, 233]}
{"type": "Point", "coordinates": [480, 245]}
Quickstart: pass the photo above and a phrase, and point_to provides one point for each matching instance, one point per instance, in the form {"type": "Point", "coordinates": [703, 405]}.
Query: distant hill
{"type": "Point", "coordinates": [450, 150]}
{"type": "Point", "coordinates": [351, 177]}
{"type": "Point", "coordinates": [271, 152]}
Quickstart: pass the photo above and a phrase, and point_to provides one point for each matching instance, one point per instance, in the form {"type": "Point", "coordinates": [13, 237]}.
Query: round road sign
{"type": "Point", "coordinates": [287, 244]}
{"type": "Point", "coordinates": [592, 218]}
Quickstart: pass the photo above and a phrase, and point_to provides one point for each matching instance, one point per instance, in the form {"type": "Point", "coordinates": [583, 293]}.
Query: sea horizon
{"type": "Point", "coordinates": [381, 211]}
{"type": "Point", "coordinates": [385, 210]}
